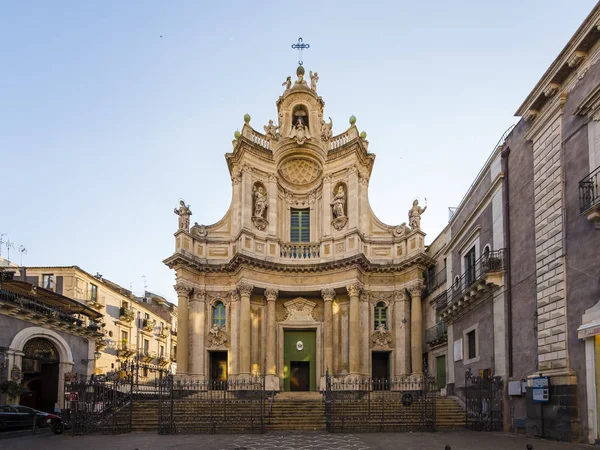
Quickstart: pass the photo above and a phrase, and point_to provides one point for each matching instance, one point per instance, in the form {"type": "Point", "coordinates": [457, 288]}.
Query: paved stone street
{"type": "Point", "coordinates": [462, 440]}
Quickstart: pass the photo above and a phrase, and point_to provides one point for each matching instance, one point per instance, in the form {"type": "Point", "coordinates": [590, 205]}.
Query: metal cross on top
{"type": "Point", "coordinates": [300, 46]}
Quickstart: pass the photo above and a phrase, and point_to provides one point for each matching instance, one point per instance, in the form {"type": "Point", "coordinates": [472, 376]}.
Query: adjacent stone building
{"type": "Point", "coordinates": [300, 277]}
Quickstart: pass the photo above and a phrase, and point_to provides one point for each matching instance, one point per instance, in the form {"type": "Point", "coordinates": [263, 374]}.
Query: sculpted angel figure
{"type": "Point", "coordinates": [287, 83]}
{"type": "Point", "coordinates": [326, 130]}
{"type": "Point", "coordinates": [338, 203]}
{"type": "Point", "coordinates": [260, 201]}
{"type": "Point", "coordinates": [314, 78]}
{"type": "Point", "coordinates": [184, 214]}
{"type": "Point", "coordinates": [215, 330]}
{"type": "Point", "coordinates": [271, 130]}
{"type": "Point", "coordinates": [414, 215]}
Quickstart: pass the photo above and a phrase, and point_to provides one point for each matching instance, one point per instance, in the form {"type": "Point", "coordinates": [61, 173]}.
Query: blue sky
{"type": "Point", "coordinates": [104, 125]}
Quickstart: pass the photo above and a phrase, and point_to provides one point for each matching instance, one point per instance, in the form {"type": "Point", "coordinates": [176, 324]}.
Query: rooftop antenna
{"type": "Point", "coordinates": [22, 250]}
{"type": "Point", "coordinates": [145, 284]}
{"type": "Point", "coordinates": [1, 242]}
{"type": "Point", "coordinates": [9, 245]}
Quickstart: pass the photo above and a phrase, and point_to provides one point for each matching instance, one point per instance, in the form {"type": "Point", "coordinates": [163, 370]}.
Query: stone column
{"type": "Point", "coordinates": [401, 333]}
{"type": "Point", "coordinates": [365, 333]}
{"type": "Point", "coordinates": [256, 363]}
{"type": "Point", "coordinates": [344, 365]}
{"type": "Point", "coordinates": [234, 330]}
{"type": "Point", "coordinates": [354, 328]}
{"type": "Point", "coordinates": [183, 330]}
{"type": "Point", "coordinates": [328, 295]}
{"type": "Point", "coordinates": [272, 381]}
{"type": "Point", "coordinates": [197, 325]}
{"type": "Point", "coordinates": [416, 328]}
{"type": "Point", "coordinates": [245, 291]}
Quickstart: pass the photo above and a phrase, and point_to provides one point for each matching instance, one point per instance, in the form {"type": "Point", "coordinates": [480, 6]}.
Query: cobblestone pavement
{"type": "Point", "coordinates": [461, 440]}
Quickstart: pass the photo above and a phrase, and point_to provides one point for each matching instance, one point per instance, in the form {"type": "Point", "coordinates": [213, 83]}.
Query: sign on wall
{"type": "Point", "coordinates": [458, 350]}
{"type": "Point", "coordinates": [540, 389]}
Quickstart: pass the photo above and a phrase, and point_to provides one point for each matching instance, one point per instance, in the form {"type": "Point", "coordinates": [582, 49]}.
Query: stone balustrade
{"type": "Point", "coordinates": [300, 251]}
{"type": "Point", "coordinates": [257, 138]}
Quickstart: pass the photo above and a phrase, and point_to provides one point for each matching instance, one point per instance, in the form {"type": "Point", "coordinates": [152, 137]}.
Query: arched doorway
{"type": "Point", "coordinates": [40, 374]}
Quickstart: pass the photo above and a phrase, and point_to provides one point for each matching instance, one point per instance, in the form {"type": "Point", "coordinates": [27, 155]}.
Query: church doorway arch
{"type": "Point", "coordinates": [40, 374]}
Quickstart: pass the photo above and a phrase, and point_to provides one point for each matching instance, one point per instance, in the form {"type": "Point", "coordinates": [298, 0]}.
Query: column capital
{"type": "Point", "coordinates": [328, 294]}
{"type": "Point", "coordinates": [364, 295]}
{"type": "Point", "coordinates": [245, 289]}
{"type": "Point", "coordinates": [183, 289]}
{"type": "Point", "coordinates": [354, 289]}
{"type": "Point", "coordinates": [271, 294]}
{"type": "Point", "coordinates": [400, 296]}
{"type": "Point", "coordinates": [199, 295]}
{"type": "Point", "coordinates": [235, 295]}
{"type": "Point", "coordinates": [415, 288]}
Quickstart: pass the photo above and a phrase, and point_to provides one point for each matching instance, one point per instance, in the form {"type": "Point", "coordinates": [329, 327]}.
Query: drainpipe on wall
{"type": "Point", "coordinates": [507, 292]}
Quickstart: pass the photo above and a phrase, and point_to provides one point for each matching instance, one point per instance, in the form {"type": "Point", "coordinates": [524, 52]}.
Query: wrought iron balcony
{"type": "Point", "coordinates": [126, 314]}
{"type": "Point", "coordinates": [432, 283]}
{"type": "Point", "coordinates": [125, 350]}
{"type": "Point", "coordinates": [300, 250]}
{"type": "Point", "coordinates": [475, 283]}
{"type": "Point", "coordinates": [589, 197]}
{"type": "Point", "coordinates": [148, 324]}
{"type": "Point", "coordinates": [437, 334]}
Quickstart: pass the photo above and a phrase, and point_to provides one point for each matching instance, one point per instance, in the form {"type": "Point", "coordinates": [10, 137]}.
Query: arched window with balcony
{"type": "Point", "coordinates": [218, 311]}
{"type": "Point", "coordinates": [381, 314]}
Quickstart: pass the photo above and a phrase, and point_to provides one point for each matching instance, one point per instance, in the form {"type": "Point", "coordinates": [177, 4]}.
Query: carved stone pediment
{"type": "Point", "coordinates": [381, 338]}
{"type": "Point", "coordinates": [217, 337]}
{"type": "Point", "coordinates": [300, 310]}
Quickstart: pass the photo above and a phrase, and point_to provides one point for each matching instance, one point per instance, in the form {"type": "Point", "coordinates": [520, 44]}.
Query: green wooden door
{"type": "Point", "coordinates": [440, 367]}
{"type": "Point", "coordinates": [300, 345]}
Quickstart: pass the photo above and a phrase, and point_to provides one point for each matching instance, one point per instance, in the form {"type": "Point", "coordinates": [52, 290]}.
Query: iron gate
{"type": "Point", "coordinates": [406, 403]}
{"type": "Point", "coordinates": [199, 406]}
{"type": "Point", "coordinates": [483, 400]}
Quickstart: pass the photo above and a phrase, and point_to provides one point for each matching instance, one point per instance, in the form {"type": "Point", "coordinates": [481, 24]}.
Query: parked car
{"type": "Point", "coordinates": [17, 416]}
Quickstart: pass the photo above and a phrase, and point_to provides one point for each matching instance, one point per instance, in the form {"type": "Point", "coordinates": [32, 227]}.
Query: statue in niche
{"type": "Point", "coordinates": [287, 83]}
{"type": "Point", "coordinates": [260, 201]}
{"type": "Point", "coordinates": [326, 130]}
{"type": "Point", "coordinates": [184, 214]}
{"type": "Point", "coordinates": [300, 131]}
{"type": "Point", "coordinates": [339, 201]}
{"type": "Point", "coordinates": [414, 215]}
{"type": "Point", "coordinates": [314, 78]}
{"type": "Point", "coordinates": [271, 130]}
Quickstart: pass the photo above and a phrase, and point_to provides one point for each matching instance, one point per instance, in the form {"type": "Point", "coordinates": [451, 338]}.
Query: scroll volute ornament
{"type": "Point", "coordinates": [182, 289]}
{"type": "Point", "coordinates": [328, 294]}
{"type": "Point", "coordinates": [364, 295]}
{"type": "Point", "coordinates": [245, 289]}
{"type": "Point", "coordinates": [400, 296]}
{"type": "Point", "coordinates": [199, 295]}
{"type": "Point", "coordinates": [235, 295]}
{"type": "Point", "coordinates": [416, 289]}
{"type": "Point", "coordinates": [354, 289]}
{"type": "Point", "coordinates": [271, 294]}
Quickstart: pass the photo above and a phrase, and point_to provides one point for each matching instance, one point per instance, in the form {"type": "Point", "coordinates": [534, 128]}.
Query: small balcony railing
{"type": "Point", "coordinates": [126, 314]}
{"type": "Point", "coordinates": [148, 324]}
{"type": "Point", "coordinates": [589, 193]}
{"type": "Point", "coordinates": [437, 334]}
{"type": "Point", "coordinates": [493, 261]}
{"type": "Point", "coordinates": [300, 251]}
{"type": "Point", "coordinates": [432, 283]}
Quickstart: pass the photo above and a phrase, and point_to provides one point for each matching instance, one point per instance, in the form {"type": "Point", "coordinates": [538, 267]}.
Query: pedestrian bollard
{"type": "Point", "coordinates": [447, 447]}
{"type": "Point", "coordinates": [529, 447]}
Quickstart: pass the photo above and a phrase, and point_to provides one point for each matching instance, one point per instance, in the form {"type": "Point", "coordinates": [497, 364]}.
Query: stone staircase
{"type": "Point", "coordinates": [289, 411]}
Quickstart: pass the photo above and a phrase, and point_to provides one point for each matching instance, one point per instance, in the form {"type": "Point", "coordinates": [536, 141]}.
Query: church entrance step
{"type": "Point", "coordinates": [299, 396]}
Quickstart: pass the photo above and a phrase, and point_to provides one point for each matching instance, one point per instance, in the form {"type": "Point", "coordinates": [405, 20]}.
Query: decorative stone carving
{"type": "Point", "coordinates": [326, 130]}
{"type": "Point", "coordinates": [351, 170]}
{"type": "Point", "coordinates": [364, 295]}
{"type": "Point", "coordinates": [199, 295]}
{"type": "Point", "coordinates": [287, 83]}
{"type": "Point", "coordinates": [576, 58]}
{"type": "Point", "coordinates": [416, 288]}
{"type": "Point", "coordinates": [300, 310]}
{"type": "Point", "coordinates": [271, 294]}
{"type": "Point", "coordinates": [400, 296]}
{"type": "Point", "coordinates": [314, 78]}
{"type": "Point", "coordinates": [363, 179]}
{"type": "Point", "coordinates": [414, 215]}
{"type": "Point", "coordinates": [401, 230]}
{"type": "Point", "coordinates": [271, 131]}
{"type": "Point", "coordinates": [328, 294]}
{"type": "Point", "coordinates": [259, 194]}
{"type": "Point", "coordinates": [182, 289]}
{"type": "Point", "coordinates": [235, 295]}
{"type": "Point", "coordinates": [381, 337]}
{"type": "Point", "coordinates": [199, 230]}
{"type": "Point", "coordinates": [377, 297]}
{"type": "Point", "coordinates": [300, 171]}
{"type": "Point", "coordinates": [184, 214]}
{"type": "Point", "coordinates": [245, 289]}
{"type": "Point", "coordinates": [300, 132]}
{"type": "Point", "coordinates": [236, 178]}
{"type": "Point", "coordinates": [217, 337]}
{"type": "Point", "coordinates": [354, 289]}
{"type": "Point", "coordinates": [338, 205]}
{"type": "Point", "coordinates": [551, 89]}
{"type": "Point", "coordinates": [15, 374]}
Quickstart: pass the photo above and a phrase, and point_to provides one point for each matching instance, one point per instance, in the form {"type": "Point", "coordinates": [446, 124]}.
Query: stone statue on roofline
{"type": "Point", "coordinates": [287, 83]}
{"type": "Point", "coordinates": [314, 78]}
{"type": "Point", "coordinates": [271, 130]}
{"type": "Point", "coordinates": [326, 130]}
{"type": "Point", "coordinates": [414, 215]}
{"type": "Point", "coordinates": [184, 212]}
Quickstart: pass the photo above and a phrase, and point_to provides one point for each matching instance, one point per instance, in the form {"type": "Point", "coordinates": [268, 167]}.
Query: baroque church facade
{"type": "Point", "coordinates": [299, 278]}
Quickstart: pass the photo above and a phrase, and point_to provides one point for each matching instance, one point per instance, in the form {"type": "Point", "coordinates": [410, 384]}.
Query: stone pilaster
{"type": "Point", "coordinates": [328, 295]}
{"type": "Point", "coordinates": [245, 291]}
{"type": "Point", "coordinates": [416, 327]}
{"type": "Point", "coordinates": [197, 308]}
{"type": "Point", "coordinates": [354, 291]}
{"type": "Point", "coordinates": [326, 206]}
{"type": "Point", "coordinates": [344, 332]}
{"type": "Point", "coordinates": [353, 199]}
{"type": "Point", "coordinates": [401, 333]}
{"type": "Point", "coordinates": [272, 211]}
{"type": "Point", "coordinates": [365, 334]}
{"type": "Point", "coordinates": [183, 327]}
{"type": "Point", "coordinates": [247, 197]}
{"type": "Point", "coordinates": [234, 330]}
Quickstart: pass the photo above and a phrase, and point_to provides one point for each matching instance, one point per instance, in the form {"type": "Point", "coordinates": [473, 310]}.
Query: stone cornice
{"type": "Point", "coordinates": [185, 259]}
{"type": "Point", "coordinates": [590, 106]}
{"type": "Point", "coordinates": [565, 63]}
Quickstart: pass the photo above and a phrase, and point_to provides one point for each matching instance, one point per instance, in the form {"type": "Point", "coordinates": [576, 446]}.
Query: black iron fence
{"type": "Point", "coordinates": [483, 401]}
{"type": "Point", "coordinates": [490, 261]}
{"type": "Point", "coordinates": [589, 192]}
{"type": "Point", "coordinates": [406, 403]}
{"type": "Point", "coordinates": [199, 406]}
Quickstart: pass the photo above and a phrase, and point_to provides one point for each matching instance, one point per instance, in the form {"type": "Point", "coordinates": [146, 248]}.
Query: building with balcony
{"type": "Point", "coordinates": [132, 327]}
{"type": "Point", "coordinates": [299, 277]}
